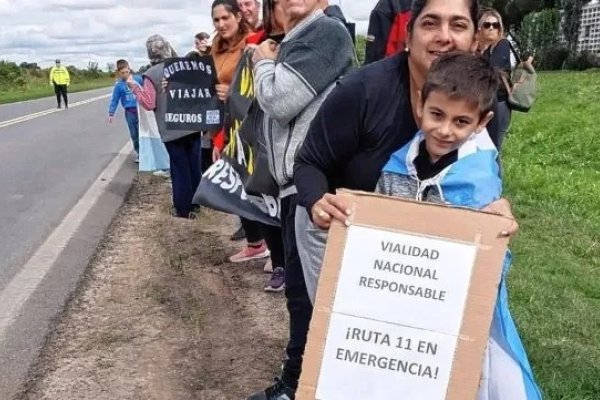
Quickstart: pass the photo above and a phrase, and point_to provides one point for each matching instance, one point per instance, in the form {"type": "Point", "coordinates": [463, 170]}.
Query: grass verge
{"type": "Point", "coordinates": [552, 176]}
{"type": "Point", "coordinates": [42, 89]}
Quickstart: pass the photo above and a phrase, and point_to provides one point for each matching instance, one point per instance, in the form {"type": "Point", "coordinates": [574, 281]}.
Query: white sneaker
{"type": "Point", "coordinates": [162, 173]}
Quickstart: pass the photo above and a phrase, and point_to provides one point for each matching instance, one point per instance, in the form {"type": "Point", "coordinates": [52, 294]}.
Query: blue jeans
{"type": "Point", "coordinates": [185, 159]}
{"type": "Point", "coordinates": [133, 123]}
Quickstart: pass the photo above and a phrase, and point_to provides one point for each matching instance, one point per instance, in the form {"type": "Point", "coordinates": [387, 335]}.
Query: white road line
{"type": "Point", "coordinates": [29, 117]}
{"type": "Point", "coordinates": [24, 284]}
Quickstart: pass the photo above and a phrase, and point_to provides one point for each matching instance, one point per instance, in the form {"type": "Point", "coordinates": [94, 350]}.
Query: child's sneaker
{"type": "Point", "coordinates": [249, 253]}
{"type": "Point", "coordinates": [277, 282]}
{"type": "Point", "coordinates": [278, 391]}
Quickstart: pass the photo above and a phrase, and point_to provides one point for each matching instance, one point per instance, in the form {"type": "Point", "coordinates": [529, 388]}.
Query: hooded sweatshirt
{"type": "Point", "coordinates": [123, 94]}
{"type": "Point", "coordinates": [290, 90]}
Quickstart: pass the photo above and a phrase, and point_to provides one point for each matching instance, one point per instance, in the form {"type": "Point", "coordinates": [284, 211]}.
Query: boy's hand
{"type": "Point", "coordinates": [327, 209]}
{"type": "Point", "coordinates": [130, 81]}
{"type": "Point", "coordinates": [110, 119]}
{"type": "Point", "coordinates": [502, 207]}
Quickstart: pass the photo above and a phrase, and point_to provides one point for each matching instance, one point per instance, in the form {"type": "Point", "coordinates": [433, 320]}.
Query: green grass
{"type": "Point", "coordinates": [41, 89]}
{"type": "Point", "coordinates": [552, 176]}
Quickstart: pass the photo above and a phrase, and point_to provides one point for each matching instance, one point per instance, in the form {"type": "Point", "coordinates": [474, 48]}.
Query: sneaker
{"type": "Point", "coordinates": [162, 173]}
{"type": "Point", "coordinates": [251, 253]}
{"type": "Point", "coordinates": [137, 159]}
{"type": "Point", "coordinates": [278, 391]}
{"type": "Point", "coordinates": [268, 269]}
{"type": "Point", "coordinates": [277, 282]}
{"type": "Point", "coordinates": [238, 235]}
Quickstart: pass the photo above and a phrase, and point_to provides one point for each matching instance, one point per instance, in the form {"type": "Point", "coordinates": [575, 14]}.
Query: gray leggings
{"type": "Point", "coordinates": [311, 242]}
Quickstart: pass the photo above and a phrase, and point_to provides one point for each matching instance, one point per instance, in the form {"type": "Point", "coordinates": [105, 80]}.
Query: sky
{"type": "Point", "coordinates": [80, 31]}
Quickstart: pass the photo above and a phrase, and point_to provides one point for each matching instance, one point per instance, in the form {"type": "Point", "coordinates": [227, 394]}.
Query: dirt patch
{"type": "Point", "coordinates": [162, 315]}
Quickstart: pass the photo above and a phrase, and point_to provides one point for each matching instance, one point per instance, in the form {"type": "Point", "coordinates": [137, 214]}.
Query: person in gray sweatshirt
{"type": "Point", "coordinates": [291, 82]}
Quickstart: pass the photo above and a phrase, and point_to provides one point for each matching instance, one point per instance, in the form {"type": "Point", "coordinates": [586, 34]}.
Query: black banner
{"type": "Point", "coordinates": [240, 183]}
{"type": "Point", "coordinates": [192, 103]}
{"type": "Point", "coordinates": [246, 135]}
{"type": "Point", "coordinates": [221, 188]}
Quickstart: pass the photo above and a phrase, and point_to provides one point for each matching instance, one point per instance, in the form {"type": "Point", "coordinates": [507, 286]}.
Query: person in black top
{"type": "Point", "coordinates": [372, 113]}
{"type": "Point", "coordinates": [496, 49]}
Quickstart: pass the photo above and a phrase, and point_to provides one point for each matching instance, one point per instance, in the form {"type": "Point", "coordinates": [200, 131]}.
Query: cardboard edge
{"type": "Point", "coordinates": [325, 297]}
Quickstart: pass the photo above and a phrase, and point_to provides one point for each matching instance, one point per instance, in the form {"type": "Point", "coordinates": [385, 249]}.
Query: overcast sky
{"type": "Point", "coordinates": [79, 31]}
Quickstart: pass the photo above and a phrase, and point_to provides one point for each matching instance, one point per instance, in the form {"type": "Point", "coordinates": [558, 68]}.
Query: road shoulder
{"type": "Point", "coordinates": [162, 315]}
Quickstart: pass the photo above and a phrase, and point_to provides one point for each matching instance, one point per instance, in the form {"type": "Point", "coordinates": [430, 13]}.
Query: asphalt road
{"type": "Point", "coordinates": [48, 160]}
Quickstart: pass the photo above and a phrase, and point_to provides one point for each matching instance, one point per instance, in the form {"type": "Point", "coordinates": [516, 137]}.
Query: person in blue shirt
{"type": "Point", "coordinates": [123, 94]}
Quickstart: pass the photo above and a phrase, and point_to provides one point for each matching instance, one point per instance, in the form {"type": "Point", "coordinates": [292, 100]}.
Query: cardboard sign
{"type": "Point", "coordinates": [192, 103]}
{"type": "Point", "coordinates": [405, 302]}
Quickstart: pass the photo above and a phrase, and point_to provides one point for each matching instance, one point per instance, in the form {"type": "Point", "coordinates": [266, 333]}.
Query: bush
{"type": "Point", "coordinates": [582, 61]}
{"type": "Point", "coordinates": [551, 58]}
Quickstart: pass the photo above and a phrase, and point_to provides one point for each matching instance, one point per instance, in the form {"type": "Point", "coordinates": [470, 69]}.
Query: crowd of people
{"type": "Point", "coordinates": [415, 124]}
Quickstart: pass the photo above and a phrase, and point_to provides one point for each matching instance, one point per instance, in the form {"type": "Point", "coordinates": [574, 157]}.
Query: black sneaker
{"type": "Point", "coordinates": [238, 235]}
{"type": "Point", "coordinates": [278, 391]}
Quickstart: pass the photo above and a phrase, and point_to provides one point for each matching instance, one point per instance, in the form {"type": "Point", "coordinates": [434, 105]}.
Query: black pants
{"type": "Point", "coordinates": [61, 90]}
{"type": "Point", "coordinates": [255, 232]}
{"type": "Point", "coordinates": [206, 159]}
{"type": "Point", "coordinates": [274, 238]}
{"type": "Point", "coordinates": [298, 303]}
{"type": "Point", "coordinates": [184, 157]}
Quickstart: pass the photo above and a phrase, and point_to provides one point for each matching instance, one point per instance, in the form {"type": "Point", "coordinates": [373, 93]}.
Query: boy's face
{"type": "Point", "coordinates": [448, 123]}
{"type": "Point", "coordinates": [124, 73]}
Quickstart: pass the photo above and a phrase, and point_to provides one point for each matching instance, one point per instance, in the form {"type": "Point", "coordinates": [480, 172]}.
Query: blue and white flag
{"type": "Point", "coordinates": [153, 153]}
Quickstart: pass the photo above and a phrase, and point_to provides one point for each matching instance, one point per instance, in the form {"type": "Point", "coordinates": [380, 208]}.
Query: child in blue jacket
{"type": "Point", "coordinates": [123, 94]}
{"type": "Point", "coordinates": [452, 160]}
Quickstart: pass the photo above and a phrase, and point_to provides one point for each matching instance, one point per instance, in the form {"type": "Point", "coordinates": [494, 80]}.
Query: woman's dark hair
{"type": "Point", "coordinates": [267, 9]}
{"type": "Point", "coordinates": [419, 5]}
{"type": "Point", "coordinates": [232, 7]}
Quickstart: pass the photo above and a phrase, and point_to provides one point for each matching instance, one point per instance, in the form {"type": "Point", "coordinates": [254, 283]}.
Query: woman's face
{"type": "Point", "coordinates": [225, 22]}
{"type": "Point", "coordinates": [296, 10]}
{"type": "Point", "coordinates": [489, 28]}
{"type": "Point", "coordinates": [442, 26]}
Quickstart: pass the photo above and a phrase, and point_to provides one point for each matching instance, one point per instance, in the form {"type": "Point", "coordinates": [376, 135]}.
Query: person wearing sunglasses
{"type": "Point", "coordinates": [496, 49]}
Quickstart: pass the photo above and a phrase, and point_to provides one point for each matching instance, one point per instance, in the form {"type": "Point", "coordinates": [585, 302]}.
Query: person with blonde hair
{"type": "Point", "coordinates": [495, 48]}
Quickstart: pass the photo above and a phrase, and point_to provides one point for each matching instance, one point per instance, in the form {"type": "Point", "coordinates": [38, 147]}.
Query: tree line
{"type": "Point", "coordinates": [547, 29]}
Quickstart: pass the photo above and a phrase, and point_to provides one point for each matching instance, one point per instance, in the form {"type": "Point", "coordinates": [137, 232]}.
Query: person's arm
{"type": "Point", "coordinates": [377, 36]}
{"type": "Point", "coordinates": [284, 89]}
{"type": "Point", "coordinates": [68, 77]}
{"type": "Point", "coordinates": [51, 76]}
{"type": "Point", "coordinates": [114, 101]}
{"type": "Point", "coordinates": [331, 141]}
{"type": "Point", "coordinates": [500, 57]}
{"type": "Point", "coordinates": [145, 94]}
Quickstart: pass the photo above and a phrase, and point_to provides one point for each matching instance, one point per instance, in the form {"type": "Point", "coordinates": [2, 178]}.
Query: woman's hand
{"type": "Point", "coordinates": [222, 91]}
{"type": "Point", "coordinates": [502, 207]}
{"type": "Point", "coordinates": [327, 209]}
{"type": "Point", "coordinates": [216, 154]}
{"type": "Point", "coordinates": [266, 50]}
